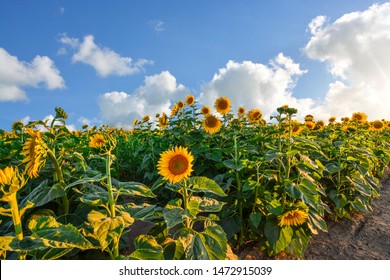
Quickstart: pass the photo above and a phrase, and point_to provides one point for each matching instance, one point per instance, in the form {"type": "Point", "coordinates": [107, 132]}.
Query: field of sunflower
{"type": "Point", "coordinates": [206, 184]}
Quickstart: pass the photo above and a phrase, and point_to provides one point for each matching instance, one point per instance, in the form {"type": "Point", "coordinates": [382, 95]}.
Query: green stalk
{"type": "Point", "coordinates": [240, 206]}
{"type": "Point", "coordinates": [185, 198]}
{"type": "Point", "coordinates": [17, 221]}
{"type": "Point", "coordinates": [58, 170]}
{"type": "Point", "coordinates": [289, 147]}
{"type": "Point", "coordinates": [111, 200]}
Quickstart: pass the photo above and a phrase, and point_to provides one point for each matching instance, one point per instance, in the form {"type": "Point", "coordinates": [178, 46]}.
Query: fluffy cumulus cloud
{"type": "Point", "coordinates": [255, 85]}
{"type": "Point", "coordinates": [356, 50]}
{"type": "Point", "coordinates": [104, 60]}
{"type": "Point", "coordinates": [15, 75]}
{"type": "Point", "coordinates": [156, 95]}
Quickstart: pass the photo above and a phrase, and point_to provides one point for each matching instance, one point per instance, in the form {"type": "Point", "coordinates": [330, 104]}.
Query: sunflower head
{"type": "Point", "coordinates": [146, 118]}
{"type": "Point", "coordinates": [60, 113]}
{"type": "Point", "coordinates": [190, 100]}
{"type": "Point", "coordinates": [294, 217]}
{"type": "Point", "coordinates": [212, 124]}
{"type": "Point", "coordinates": [175, 109]}
{"type": "Point", "coordinates": [175, 164]}
{"type": "Point", "coordinates": [309, 118]}
{"type": "Point", "coordinates": [332, 120]}
{"type": "Point", "coordinates": [102, 142]}
{"type": "Point", "coordinates": [377, 125]}
{"type": "Point", "coordinates": [180, 105]}
{"type": "Point", "coordinates": [222, 105]}
{"type": "Point", "coordinates": [34, 151]}
{"type": "Point", "coordinates": [205, 110]}
{"type": "Point", "coordinates": [310, 125]}
{"type": "Point", "coordinates": [254, 116]}
{"type": "Point", "coordinates": [359, 117]}
{"type": "Point", "coordinates": [296, 128]}
{"type": "Point", "coordinates": [163, 121]}
{"type": "Point", "coordinates": [17, 126]}
{"type": "Point", "coordinates": [10, 182]}
{"type": "Point", "coordinates": [241, 111]}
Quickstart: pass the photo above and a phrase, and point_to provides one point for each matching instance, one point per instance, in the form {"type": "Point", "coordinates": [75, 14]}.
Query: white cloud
{"type": "Point", "coordinates": [156, 95]}
{"type": "Point", "coordinates": [316, 24]}
{"type": "Point", "coordinates": [104, 60]}
{"type": "Point", "coordinates": [15, 74]}
{"type": "Point", "coordinates": [157, 25]}
{"type": "Point", "coordinates": [255, 85]}
{"type": "Point", "coordinates": [356, 50]}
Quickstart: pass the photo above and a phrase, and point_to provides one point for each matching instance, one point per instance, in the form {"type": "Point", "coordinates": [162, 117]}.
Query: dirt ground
{"type": "Point", "coordinates": [364, 237]}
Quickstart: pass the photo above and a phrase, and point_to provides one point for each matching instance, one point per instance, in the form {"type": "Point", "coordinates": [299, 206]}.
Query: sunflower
{"type": "Point", "coordinates": [294, 217]}
{"type": "Point", "coordinates": [163, 121]}
{"type": "Point", "coordinates": [241, 111]}
{"type": "Point", "coordinates": [34, 152]}
{"type": "Point", "coordinates": [212, 124]}
{"type": "Point", "coordinates": [332, 119]}
{"type": "Point", "coordinates": [190, 99]}
{"type": "Point", "coordinates": [222, 105]}
{"type": "Point", "coordinates": [254, 116]}
{"type": "Point", "coordinates": [296, 128]}
{"type": "Point", "coordinates": [377, 125]}
{"type": "Point", "coordinates": [10, 182]}
{"type": "Point", "coordinates": [309, 118]}
{"type": "Point", "coordinates": [310, 125]}
{"type": "Point", "coordinates": [180, 105]}
{"type": "Point", "coordinates": [359, 117]}
{"type": "Point", "coordinates": [146, 118]}
{"type": "Point", "coordinates": [345, 119]}
{"type": "Point", "coordinates": [175, 164]}
{"type": "Point", "coordinates": [205, 110]}
{"type": "Point", "coordinates": [175, 109]}
{"type": "Point", "coordinates": [97, 141]}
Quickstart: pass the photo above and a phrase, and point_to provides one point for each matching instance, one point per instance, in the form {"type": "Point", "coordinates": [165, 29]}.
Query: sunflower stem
{"type": "Point", "coordinates": [111, 200]}
{"type": "Point", "coordinates": [16, 221]}
{"type": "Point", "coordinates": [185, 201]}
{"type": "Point", "coordinates": [60, 177]}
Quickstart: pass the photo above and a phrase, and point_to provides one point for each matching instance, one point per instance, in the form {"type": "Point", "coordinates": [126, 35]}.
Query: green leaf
{"type": "Point", "coordinates": [306, 190]}
{"type": "Point", "coordinates": [139, 212]}
{"type": "Point", "coordinates": [316, 222]}
{"type": "Point", "coordinates": [173, 249]}
{"type": "Point", "coordinates": [44, 193]}
{"type": "Point", "coordinates": [133, 189]}
{"type": "Point", "coordinates": [332, 167]}
{"type": "Point", "coordinates": [208, 245]}
{"type": "Point", "coordinates": [173, 216]}
{"type": "Point", "coordinates": [231, 164]}
{"type": "Point", "coordinates": [56, 235]}
{"type": "Point", "coordinates": [94, 199]}
{"type": "Point", "coordinates": [207, 204]}
{"type": "Point", "coordinates": [206, 185]}
{"type": "Point", "coordinates": [147, 248]}
{"type": "Point", "coordinates": [231, 225]}
{"type": "Point", "coordinates": [99, 177]}
{"type": "Point", "coordinates": [215, 155]}
{"type": "Point", "coordinates": [255, 218]}
{"type": "Point", "coordinates": [275, 207]}
{"type": "Point", "coordinates": [273, 154]}
{"type": "Point", "coordinates": [278, 238]}
{"type": "Point", "coordinates": [193, 208]}
{"type": "Point", "coordinates": [299, 242]}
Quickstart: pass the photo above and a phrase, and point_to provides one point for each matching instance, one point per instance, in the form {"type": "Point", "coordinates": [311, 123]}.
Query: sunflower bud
{"type": "Point", "coordinates": [60, 113]}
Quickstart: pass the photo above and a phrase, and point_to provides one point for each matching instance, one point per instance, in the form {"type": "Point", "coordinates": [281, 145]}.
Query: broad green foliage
{"type": "Point", "coordinates": [100, 193]}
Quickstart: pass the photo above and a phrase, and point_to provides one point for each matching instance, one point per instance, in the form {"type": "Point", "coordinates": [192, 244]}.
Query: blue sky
{"type": "Point", "coordinates": [108, 62]}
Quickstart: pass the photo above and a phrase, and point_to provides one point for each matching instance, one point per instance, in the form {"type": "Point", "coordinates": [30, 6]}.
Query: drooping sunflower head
{"type": "Point", "coordinates": [345, 119]}
{"type": "Point", "coordinates": [212, 124]}
{"type": "Point", "coordinates": [17, 126]}
{"type": "Point", "coordinates": [294, 217]}
{"type": "Point", "coordinates": [332, 120]}
{"type": "Point", "coordinates": [377, 125]}
{"type": "Point", "coordinates": [310, 125]}
{"type": "Point", "coordinates": [34, 151]}
{"type": "Point", "coordinates": [359, 117]}
{"type": "Point", "coordinates": [190, 100]}
{"type": "Point", "coordinates": [222, 105]}
{"type": "Point", "coordinates": [254, 116]}
{"type": "Point", "coordinates": [146, 118]}
{"type": "Point", "coordinates": [60, 113]}
{"type": "Point", "coordinates": [205, 110]}
{"type": "Point", "coordinates": [175, 164]}
{"type": "Point", "coordinates": [163, 121]}
{"type": "Point", "coordinates": [309, 118]}
{"type": "Point", "coordinates": [10, 182]}
{"type": "Point", "coordinates": [175, 109]}
{"type": "Point", "coordinates": [320, 124]}
{"type": "Point", "coordinates": [241, 111]}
